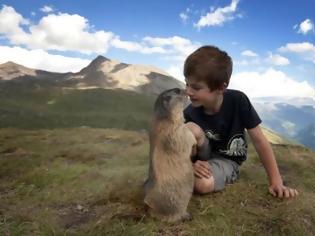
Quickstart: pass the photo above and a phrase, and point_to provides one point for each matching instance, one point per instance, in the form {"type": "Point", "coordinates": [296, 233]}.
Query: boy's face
{"type": "Point", "coordinates": [200, 94]}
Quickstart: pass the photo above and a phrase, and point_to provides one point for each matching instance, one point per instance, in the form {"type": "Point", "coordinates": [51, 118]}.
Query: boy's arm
{"type": "Point", "coordinates": [267, 158]}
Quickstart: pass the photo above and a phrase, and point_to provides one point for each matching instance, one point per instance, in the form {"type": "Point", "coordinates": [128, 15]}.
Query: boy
{"type": "Point", "coordinates": [218, 117]}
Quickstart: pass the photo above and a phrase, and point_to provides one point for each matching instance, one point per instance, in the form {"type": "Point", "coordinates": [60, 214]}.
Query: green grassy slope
{"type": "Point", "coordinates": [85, 181]}
{"type": "Point", "coordinates": [35, 106]}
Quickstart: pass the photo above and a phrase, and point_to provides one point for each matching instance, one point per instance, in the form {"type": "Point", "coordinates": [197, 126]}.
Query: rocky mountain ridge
{"type": "Point", "coordinates": [100, 73]}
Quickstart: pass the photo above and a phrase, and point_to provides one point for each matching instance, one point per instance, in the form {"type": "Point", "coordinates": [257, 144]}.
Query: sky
{"type": "Point", "coordinates": [272, 43]}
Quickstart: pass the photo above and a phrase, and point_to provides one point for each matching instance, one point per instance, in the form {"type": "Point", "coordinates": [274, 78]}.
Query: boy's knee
{"type": "Point", "coordinates": [204, 185]}
{"type": "Point", "coordinates": [197, 131]}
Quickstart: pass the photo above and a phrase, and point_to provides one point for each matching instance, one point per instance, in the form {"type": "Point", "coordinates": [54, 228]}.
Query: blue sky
{"type": "Point", "coordinates": [272, 43]}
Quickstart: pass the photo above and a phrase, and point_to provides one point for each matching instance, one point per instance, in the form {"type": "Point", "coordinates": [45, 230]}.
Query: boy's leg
{"type": "Point", "coordinates": [224, 171]}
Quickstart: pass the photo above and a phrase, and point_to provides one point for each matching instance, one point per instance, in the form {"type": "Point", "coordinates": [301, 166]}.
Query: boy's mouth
{"type": "Point", "coordinates": [193, 99]}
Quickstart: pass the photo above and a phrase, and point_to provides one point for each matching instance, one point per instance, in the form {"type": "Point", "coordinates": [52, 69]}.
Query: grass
{"type": "Point", "coordinates": [45, 107]}
{"type": "Point", "coordinates": [87, 181]}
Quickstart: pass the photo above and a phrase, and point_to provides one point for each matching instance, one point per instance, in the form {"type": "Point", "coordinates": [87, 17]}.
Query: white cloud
{"type": "Point", "coordinates": [39, 59]}
{"type": "Point", "coordinates": [63, 32]}
{"type": "Point", "coordinates": [305, 49]}
{"type": "Point", "coordinates": [249, 53]}
{"type": "Point", "coordinates": [178, 48]}
{"type": "Point", "coordinates": [306, 26]}
{"type": "Point", "coordinates": [270, 83]}
{"type": "Point", "coordinates": [136, 47]}
{"type": "Point", "coordinates": [298, 47]}
{"type": "Point", "coordinates": [47, 9]}
{"type": "Point", "coordinates": [218, 16]}
{"type": "Point", "coordinates": [278, 60]}
{"type": "Point", "coordinates": [184, 17]}
{"type": "Point", "coordinates": [10, 22]}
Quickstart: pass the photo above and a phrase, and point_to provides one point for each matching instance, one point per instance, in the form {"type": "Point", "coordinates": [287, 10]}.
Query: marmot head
{"type": "Point", "coordinates": [170, 104]}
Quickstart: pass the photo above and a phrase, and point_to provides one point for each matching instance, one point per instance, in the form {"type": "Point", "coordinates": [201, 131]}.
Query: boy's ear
{"type": "Point", "coordinates": [223, 87]}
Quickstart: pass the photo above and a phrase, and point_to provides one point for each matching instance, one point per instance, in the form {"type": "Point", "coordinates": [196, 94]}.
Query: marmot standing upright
{"type": "Point", "coordinates": [170, 183]}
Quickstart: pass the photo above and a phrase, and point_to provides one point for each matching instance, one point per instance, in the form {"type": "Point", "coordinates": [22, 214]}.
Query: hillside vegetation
{"type": "Point", "coordinates": [38, 105]}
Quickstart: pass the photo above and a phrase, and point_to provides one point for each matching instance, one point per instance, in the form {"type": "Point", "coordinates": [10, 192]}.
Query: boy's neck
{"type": "Point", "coordinates": [215, 107]}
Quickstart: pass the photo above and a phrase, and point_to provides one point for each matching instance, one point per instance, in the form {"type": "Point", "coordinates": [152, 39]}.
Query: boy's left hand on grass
{"type": "Point", "coordinates": [282, 191]}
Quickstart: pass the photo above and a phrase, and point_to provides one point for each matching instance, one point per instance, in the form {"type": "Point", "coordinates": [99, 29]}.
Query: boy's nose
{"type": "Point", "coordinates": [188, 91]}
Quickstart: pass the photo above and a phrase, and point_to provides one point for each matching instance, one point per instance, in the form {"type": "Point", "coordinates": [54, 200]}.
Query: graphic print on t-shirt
{"type": "Point", "coordinates": [236, 146]}
{"type": "Point", "coordinates": [212, 136]}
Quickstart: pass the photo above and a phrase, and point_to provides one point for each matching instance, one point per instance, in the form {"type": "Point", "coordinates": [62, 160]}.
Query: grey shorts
{"type": "Point", "coordinates": [224, 171]}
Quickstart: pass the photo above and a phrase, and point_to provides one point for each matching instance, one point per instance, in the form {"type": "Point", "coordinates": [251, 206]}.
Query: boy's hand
{"type": "Point", "coordinates": [281, 191]}
{"type": "Point", "coordinates": [202, 169]}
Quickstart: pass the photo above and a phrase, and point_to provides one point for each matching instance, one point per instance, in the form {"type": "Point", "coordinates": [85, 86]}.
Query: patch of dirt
{"type": "Point", "coordinates": [75, 215]}
{"type": "Point", "coordinates": [15, 151]}
{"type": "Point", "coordinates": [175, 230]}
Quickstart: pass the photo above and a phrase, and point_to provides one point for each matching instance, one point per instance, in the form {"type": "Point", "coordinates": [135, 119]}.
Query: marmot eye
{"type": "Point", "coordinates": [167, 98]}
{"type": "Point", "coordinates": [177, 90]}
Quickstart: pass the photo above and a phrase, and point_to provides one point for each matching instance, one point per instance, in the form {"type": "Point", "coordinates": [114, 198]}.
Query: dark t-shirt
{"type": "Point", "coordinates": [225, 130]}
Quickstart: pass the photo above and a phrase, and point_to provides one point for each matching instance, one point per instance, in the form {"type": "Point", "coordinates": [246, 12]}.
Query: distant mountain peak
{"type": "Point", "coordinates": [95, 64]}
{"type": "Point", "coordinates": [11, 70]}
{"type": "Point", "coordinates": [99, 60]}
{"type": "Point", "coordinates": [10, 64]}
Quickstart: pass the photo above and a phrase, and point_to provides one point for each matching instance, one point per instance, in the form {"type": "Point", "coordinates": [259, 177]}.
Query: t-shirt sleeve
{"type": "Point", "coordinates": [249, 116]}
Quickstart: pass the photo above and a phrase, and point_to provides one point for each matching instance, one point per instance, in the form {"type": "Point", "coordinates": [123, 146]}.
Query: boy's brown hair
{"type": "Point", "coordinates": [210, 65]}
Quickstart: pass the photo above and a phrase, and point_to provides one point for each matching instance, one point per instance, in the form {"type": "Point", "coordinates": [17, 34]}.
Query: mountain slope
{"type": "Point", "coordinates": [100, 73]}
{"type": "Point", "coordinates": [294, 121]}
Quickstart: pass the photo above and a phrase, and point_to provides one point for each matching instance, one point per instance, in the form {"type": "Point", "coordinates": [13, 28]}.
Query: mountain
{"type": "Point", "coordinates": [307, 135]}
{"type": "Point", "coordinates": [10, 71]}
{"type": "Point", "coordinates": [292, 118]}
{"type": "Point", "coordinates": [100, 73]}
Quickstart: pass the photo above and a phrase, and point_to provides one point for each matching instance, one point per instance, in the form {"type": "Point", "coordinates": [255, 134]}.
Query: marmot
{"type": "Point", "coordinates": [170, 183]}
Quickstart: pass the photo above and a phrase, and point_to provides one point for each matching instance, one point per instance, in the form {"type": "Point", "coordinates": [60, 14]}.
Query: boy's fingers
{"type": "Point", "coordinates": [283, 192]}
{"type": "Point", "coordinates": [198, 175]}
{"type": "Point", "coordinates": [280, 193]}
{"type": "Point", "coordinates": [286, 192]}
{"type": "Point", "coordinates": [293, 192]}
{"type": "Point", "coordinates": [203, 167]}
{"type": "Point", "coordinates": [273, 193]}
{"type": "Point", "coordinates": [202, 173]}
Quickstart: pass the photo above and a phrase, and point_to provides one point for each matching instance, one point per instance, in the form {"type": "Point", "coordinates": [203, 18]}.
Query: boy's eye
{"type": "Point", "coordinates": [193, 86]}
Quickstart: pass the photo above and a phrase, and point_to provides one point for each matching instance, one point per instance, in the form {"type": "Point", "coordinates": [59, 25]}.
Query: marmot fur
{"type": "Point", "coordinates": [170, 183]}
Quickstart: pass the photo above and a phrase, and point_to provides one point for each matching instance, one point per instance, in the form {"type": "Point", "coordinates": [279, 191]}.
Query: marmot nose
{"type": "Point", "coordinates": [183, 92]}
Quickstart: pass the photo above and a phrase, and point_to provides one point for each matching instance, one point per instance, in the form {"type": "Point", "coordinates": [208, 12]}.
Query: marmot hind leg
{"type": "Point", "coordinates": [178, 218]}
